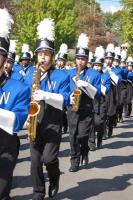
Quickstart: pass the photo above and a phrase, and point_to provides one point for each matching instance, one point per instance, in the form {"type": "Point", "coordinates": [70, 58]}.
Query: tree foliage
{"type": "Point", "coordinates": [127, 28]}
{"type": "Point", "coordinates": [31, 12]}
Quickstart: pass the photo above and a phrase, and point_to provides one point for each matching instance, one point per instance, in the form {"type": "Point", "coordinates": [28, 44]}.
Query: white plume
{"type": "Point", "coordinates": [63, 48]}
{"type": "Point", "coordinates": [31, 53]}
{"type": "Point", "coordinates": [117, 51]}
{"type": "Point", "coordinates": [83, 41]}
{"type": "Point", "coordinates": [99, 52]}
{"type": "Point", "coordinates": [45, 29]}
{"type": "Point", "coordinates": [110, 48]}
{"type": "Point", "coordinates": [17, 58]}
{"type": "Point", "coordinates": [12, 47]}
{"type": "Point", "coordinates": [25, 48]}
{"type": "Point", "coordinates": [129, 59]}
{"type": "Point", "coordinates": [56, 57]}
{"type": "Point", "coordinates": [90, 55]}
{"type": "Point", "coordinates": [123, 54]}
{"type": "Point", "coordinates": [6, 22]}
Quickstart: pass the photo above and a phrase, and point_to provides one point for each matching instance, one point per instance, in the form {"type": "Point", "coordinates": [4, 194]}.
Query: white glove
{"type": "Point", "coordinates": [53, 99]}
{"type": "Point", "coordinates": [40, 95]}
{"type": "Point", "coordinates": [81, 83]}
{"type": "Point", "coordinates": [72, 99]}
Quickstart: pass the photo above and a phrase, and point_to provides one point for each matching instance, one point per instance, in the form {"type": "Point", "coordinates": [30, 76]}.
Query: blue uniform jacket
{"type": "Point", "coordinates": [89, 75]}
{"type": "Point", "coordinates": [57, 81]}
{"type": "Point", "coordinates": [106, 81]}
{"type": "Point", "coordinates": [24, 71]}
{"type": "Point", "coordinates": [15, 97]}
{"type": "Point", "coordinates": [15, 75]}
{"type": "Point", "coordinates": [130, 77]}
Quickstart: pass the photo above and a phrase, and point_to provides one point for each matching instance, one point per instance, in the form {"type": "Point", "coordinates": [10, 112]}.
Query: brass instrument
{"type": "Point", "coordinates": [34, 106]}
{"type": "Point", "coordinates": [77, 93]}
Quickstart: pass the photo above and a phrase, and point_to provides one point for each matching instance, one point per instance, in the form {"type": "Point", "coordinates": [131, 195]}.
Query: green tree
{"type": "Point", "coordinates": [31, 12]}
{"type": "Point", "coordinates": [127, 22]}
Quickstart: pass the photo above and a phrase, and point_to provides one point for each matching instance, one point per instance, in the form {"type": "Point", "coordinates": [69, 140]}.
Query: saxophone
{"type": "Point", "coordinates": [34, 106]}
{"type": "Point", "coordinates": [77, 93]}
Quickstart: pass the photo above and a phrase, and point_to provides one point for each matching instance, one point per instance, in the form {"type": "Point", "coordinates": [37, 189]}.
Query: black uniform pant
{"type": "Point", "coordinates": [44, 151]}
{"type": "Point", "coordinates": [80, 127]}
{"type": "Point", "coordinates": [9, 149]}
{"type": "Point", "coordinates": [64, 122]}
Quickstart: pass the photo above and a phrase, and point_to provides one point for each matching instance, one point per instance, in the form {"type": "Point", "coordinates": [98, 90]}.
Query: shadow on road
{"type": "Point", "coordinates": [24, 197]}
{"type": "Point", "coordinates": [123, 135]}
{"type": "Point", "coordinates": [111, 161]}
{"type": "Point", "coordinates": [118, 144]}
{"type": "Point", "coordinates": [94, 187]}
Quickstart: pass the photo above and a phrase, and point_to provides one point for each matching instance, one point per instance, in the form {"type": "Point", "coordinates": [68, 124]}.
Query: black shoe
{"type": "Point", "coordinates": [105, 137]}
{"type": "Point", "coordinates": [99, 145]}
{"type": "Point", "coordinates": [10, 198]}
{"type": "Point", "coordinates": [92, 148]}
{"type": "Point", "coordinates": [54, 187]}
{"type": "Point", "coordinates": [121, 120]}
{"type": "Point", "coordinates": [38, 196]}
{"type": "Point", "coordinates": [84, 160]}
{"type": "Point", "coordinates": [73, 168]}
{"type": "Point", "coordinates": [110, 132]}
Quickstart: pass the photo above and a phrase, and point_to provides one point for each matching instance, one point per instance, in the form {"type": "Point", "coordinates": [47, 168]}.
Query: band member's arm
{"type": "Point", "coordinates": [7, 120]}
{"type": "Point", "coordinates": [21, 108]}
{"type": "Point", "coordinates": [105, 87]}
{"type": "Point", "coordinates": [57, 100]}
{"type": "Point", "coordinates": [93, 88]}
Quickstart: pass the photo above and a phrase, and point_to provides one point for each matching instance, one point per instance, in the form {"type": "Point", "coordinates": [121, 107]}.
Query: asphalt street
{"type": "Point", "coordinates": [108, 176]}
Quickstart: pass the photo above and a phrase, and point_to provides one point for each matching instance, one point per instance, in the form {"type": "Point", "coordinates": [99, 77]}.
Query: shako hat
{"type": "Point", "coordinates": [46, 35]}
{"type": "Point", "coordinates": [62, 54]}
{"type": "Point", "coordinates": [25, 55]}
{"type": "Point", "coordinates": [110, 51]}
{"type": "Point", "coordinates": [129, 61]}
{"type": "Point", "coordinates": [6, 22]}
{"type": "Point", "coordinates": [99, 55]}
{"type": "Point", "coordinates": [82, 49]}
{"type": "Point", "coordinates": [117, 52]}
{"type": "Point", "coordinates": [12, 50]}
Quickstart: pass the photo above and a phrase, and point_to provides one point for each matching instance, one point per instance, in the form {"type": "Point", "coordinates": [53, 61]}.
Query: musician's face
{"type": "Point", "coordinates": [130, 68]}
{"type": "Point", "coordinates": [108, 61]}
{"type": "Point", "coordinates": [25, 62]}
{"type": "Point", "coordinates": [8, 65]}
{"type": "Point", "coordinates": [81, 62]}
{"type": "Point", "coordinates": [116, 63]}
{"type": "Point", "coordinates": [2, 60]}
{"type": "Point", "coordinates": [98, 67]}
{"type": "Point", "coordinates": [45, 57]}
{"type": "Point", "coordinates": [123, 64]}
{"type": "Point", "coordinates": [61, 63]}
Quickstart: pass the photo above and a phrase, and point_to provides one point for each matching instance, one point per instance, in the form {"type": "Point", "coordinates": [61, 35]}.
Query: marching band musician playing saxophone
{"type": "Point", "coordinates": [54, 93]}
{"type": "Point", "coordinates": [81, 122]}
{"type": "Point", "coordinates": [14, 105]}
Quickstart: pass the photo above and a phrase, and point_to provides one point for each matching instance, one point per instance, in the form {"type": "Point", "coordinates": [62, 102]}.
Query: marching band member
{"type": "Point", "coordinates": [86, 82]}
{"type": "Point", "coordinates": [100, 101]}
{"type": "Point", "coordinates": [60, 64]}
{"type": "Point", "coordinates": [53, 93]}
{"type": "Point", "coordinates": [90, 60]}
{"type": "Point", "coordinates": [25, 67]}
{"type": "Point", "coordinates": [121, 88]}
{"type": "Point", "coordinates": [128, 105]}
{"type": "Point", "coordinates": [111, 98]}
{"type": "Point", "coordinates": [8, 65]}
{"type": "Point", "coordinates": [14, 104]}
{"type": "Point", "coordinates": [62, 57]}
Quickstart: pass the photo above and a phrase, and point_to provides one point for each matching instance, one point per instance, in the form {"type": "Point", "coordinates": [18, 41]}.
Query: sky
{"type": "Point", "coordinates": [110, 5]}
